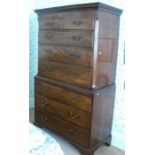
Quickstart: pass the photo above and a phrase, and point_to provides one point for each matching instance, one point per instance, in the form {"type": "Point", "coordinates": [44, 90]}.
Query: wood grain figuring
{"type": "Point", "coordinates": [70, 37]}
{"type": "Point", "coordinates": [102, 115]}
{"type": "Point", "coordinates": [72, 115]}
{"type": "Point", "coordinates": [76, 55]}
{"type": "Point", "coordinates": [74, 88]}
{"type": "Point", "coordinates": [57, 15]}
{"type": "Point", "coordinates": [106, 50]}
{"type": "Point", "coordinates": [80, 13]}
{"type": "Point", "coordinates": [50, 24]}
{"type": "Point", "coordinates": [78, 23]}
{"type": "Point", "coordinates": [62, 127]}
{"type": "Point", "coordinates": [71, 74]}
{"type": "Point", "coordinates": [105, 64]}
{"type": "Point", "coordinates": [65, 96]}
{"type": "Point", "coordinates": [75, 84]}
{"type": "Point", "coordinates": [109, 24]}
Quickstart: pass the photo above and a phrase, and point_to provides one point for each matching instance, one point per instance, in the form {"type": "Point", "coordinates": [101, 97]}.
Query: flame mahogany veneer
{"type": "Point", "coordinates": [75, 84]}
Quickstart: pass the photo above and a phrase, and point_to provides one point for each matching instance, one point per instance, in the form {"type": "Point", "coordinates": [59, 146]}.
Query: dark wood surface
{"type": "Point", "coordinates": [64, 128]}
{"type": "Point", "coordinates": [77, 117]}
{"type": "Point", "coordinates": [102, 6]}
{"type": "Point", "coordinates": [78, 23]}
{"type": "Point", "coordinates": [105, 59]}
{"type": "Point", "coordinates": [50, 22]}
{"type": "Point", "coordinates": [102, 115]}
{"type": "Point", "coordinates": [65, 72]}
{"type": "Point", "coordinates": [69, 55]}
{"type": "Point", "coordinates": [66, 37]}
{"type": "Point", "coordinates": [74, 87]}
{"type": "Point", "coordinates": [64, 85]}
{"type": "Point", "coordinates": [63, 95]}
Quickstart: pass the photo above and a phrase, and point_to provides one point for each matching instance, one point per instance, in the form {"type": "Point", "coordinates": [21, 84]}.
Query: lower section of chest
{"type": "Point", "coordinates": [84, 119]}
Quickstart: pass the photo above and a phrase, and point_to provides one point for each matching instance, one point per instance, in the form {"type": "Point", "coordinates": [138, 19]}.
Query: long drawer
{"type": "Point", "coordinates": [66, 37]}
{"type": "Point", "coordinates": [65, 96]}
{"type": "Point", "coordinates": [64, 128]}
{"type": "Point", "coordinates": [63, 111]}
{"type": "Point", "coordinates": [80, 76]}
{"type": "Point", "coordinates": [76, 55]}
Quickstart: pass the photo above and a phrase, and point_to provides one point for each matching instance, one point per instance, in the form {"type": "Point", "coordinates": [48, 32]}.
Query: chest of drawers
{"type": "Point", "coordinates": [75, 84]}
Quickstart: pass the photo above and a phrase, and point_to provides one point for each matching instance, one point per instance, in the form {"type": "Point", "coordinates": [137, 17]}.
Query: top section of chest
{"type": "Point", "coordinates": [81, 17]}
{"type": "Point", "coordinates": [78, 44]}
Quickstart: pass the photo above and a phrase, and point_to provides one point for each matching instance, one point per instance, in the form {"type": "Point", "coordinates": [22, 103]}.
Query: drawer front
{"type": "Point", "coordinates": [70, 37]}
{"type": "Point", "coordinates": [63, 111]}
{"type": "Point", "coordinates": [78, 23]}
{"type": "Point", "coordinates": [71, 74]}
{"type": "Point", "coordinates": [63, 95]}
{"type": "Point", "coordinates": [80, 14]}
{"type": "Point", "coordinates": [66, 129]}
{"type": "Point", "coordinates": [50, 21]}
{"type": "Point", "coordinates": [76, 55]}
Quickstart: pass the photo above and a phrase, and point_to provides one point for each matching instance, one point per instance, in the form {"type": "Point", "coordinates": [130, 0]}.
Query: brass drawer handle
{"type": "Point", "coordinates": [42, 88]}
{"type": "Point", "coordinates": [73, 74]}
{"type": "Point", "coordinates": [76, 38]}
{"type": "Point", "coordinates": [48, 67]}
{"type": "Point", "coordinates": [43, 103]}
{"type": "Point", "coordinates": [77, 23]}
{"type": "Point", "coordinates": [72, 132]}
{"type": "Point", "coordinates": [49, 37]}
{"type": "Point", "coordinates": [75, 99]}
{"type": "Point", "coordinates": [50, 24]}
{"type": "Point", "coordinates": [73, 115]}
{"type": "Point", "coordinates": [75, 55]}
{"type": "Point", "coordinates": [43, 118]}
{"type": "Point", "coordinates": [48, 51]}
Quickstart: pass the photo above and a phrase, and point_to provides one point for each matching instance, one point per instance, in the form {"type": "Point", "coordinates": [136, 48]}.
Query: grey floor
{"type": "Point", "coordinates": [70, 150]}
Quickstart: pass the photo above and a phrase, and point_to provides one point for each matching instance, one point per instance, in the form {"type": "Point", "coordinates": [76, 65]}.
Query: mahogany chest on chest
{"type": "Point", "coordinates": [75, 84]}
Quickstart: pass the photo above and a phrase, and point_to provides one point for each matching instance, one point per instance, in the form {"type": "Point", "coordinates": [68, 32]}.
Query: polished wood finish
{"type": "Point", "coordinates": [102, 115]}
{"type": "Point", "coordinates": [69, 55]}
{"type": "Point", "coordinates": [65, 96]}
{"type": "Point", "coordinates": [81, 7]}
{"type": "Point", "coordinates": [66, 37]}
{"type": "Point", "coordinates": [50, 21]}
{"type": "Point", "coordinates": [80, 118]}
{"type": "Point", "coordinates": [65, 72]}
{"type": "Point", "coordinates": [78, 23]}
{"type": "Point", "coordinates": [64, 128]}
{"type": "Point", "coordinates": [106, 57]}
{"type": "Point", "coordinates": [74, 88]}
{"type": "Point", "coordinates": [75, 84]}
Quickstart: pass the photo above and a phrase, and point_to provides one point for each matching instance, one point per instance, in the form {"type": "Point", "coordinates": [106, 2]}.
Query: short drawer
{"type": "Point", "coordinates": [78, 23]}
{"type": "Point", "coordinates": [76, 55]}
{"type": "Point", "coordinates": [65, 96]}
{"type": "Point", "coordinates": [63, 111]}
{"type": "Point", "coordinates": [64, 128]}
{"type": "Point", "coordinates": [50, 21]}
{"type": "Point", "coordinates": [66, 37]}
{"type": "Point", "coordinates": [80, 76]}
